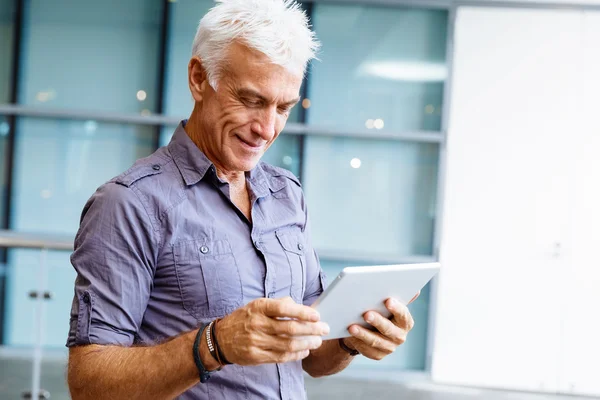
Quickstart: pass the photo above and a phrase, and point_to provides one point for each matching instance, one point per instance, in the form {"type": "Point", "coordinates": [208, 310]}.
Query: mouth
{"type": "Point", "coordinates": [254, 146]}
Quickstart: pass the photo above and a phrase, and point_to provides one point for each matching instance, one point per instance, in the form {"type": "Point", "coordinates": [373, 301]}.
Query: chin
{"type": "Point", "coordinates": [247, 164]}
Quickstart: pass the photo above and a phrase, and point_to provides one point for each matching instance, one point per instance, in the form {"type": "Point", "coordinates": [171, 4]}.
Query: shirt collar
{"type": "Point", "coordinates": [193, 165]}
{"type": "Point", "coordinates": [191, 162]}
{"type": "Point", "coordinates": [259, 182]}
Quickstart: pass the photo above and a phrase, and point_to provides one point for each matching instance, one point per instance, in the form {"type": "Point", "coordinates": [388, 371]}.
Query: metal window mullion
{"type": "Point", "coordinates": [548, 5]}
{"type": "Point", "coordinates": [436, 4]}
{"type": "Point", "coordinates": [410, 136]}
{"type": "Point", "coordinates": [441, 183]}
{"type": "Point", "coordinates": [162, 67]}
{"type": "Point", "coordinates": [110, 117]}
{"type": "Point", "coordinates": [12, 119]}
{"type": "Point", "coordinates": [291, 128]}
{"type": "Point", "coordinates": [308, 7]}
{"type": "Point", "coordinates": [451, 4]}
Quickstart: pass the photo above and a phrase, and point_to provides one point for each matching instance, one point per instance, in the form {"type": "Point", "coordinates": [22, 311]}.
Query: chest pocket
{"type": "Point", "coordinates": [287, 254]}
{"type": "Point", "coordinates": [208, 278]}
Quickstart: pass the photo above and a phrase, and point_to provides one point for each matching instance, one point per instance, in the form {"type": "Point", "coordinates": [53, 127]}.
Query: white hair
{"type": "Point", "coordinates": [277, 28]}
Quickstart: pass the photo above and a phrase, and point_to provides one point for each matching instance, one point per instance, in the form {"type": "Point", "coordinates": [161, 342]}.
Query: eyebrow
{"type": "Point", "coordinates": [246, 92]}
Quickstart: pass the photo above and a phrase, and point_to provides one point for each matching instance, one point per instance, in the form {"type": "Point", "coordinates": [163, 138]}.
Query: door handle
{"type": "Point", "coordinates": [556, 251]}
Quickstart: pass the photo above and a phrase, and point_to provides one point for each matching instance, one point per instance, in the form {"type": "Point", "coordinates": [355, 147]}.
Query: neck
{"type": "Point", "coordinates": [194, 130]}
{"type": "Point", "coordinates": [232, 177]}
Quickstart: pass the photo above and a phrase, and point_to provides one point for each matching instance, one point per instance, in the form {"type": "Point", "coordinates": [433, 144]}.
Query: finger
{"type": "Point", "coordinates": [401, 315]}
{"type": "Point", "coordinates": [290, 345]}
{"type": "Point", "coordinates": [298, 328]}
{"type": "Point", "coordinates": [367, 351]}
{"type": "Point", "coordinates": [416, 297]}
{"type": "Point", "coordinates": [373, 340]}
{"type": "Point", "coordinates": [290, 357]}
{"type": "Point", "coordinates": [288, 309]}
{"type": "Point", "coordinates": [385, 326]}
{"type": "Point", "coordinates": [258, 356]}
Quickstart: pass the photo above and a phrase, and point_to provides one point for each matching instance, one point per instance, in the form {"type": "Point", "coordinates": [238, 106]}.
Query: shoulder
{"type": "Point", "coordinates": [151, 185]}
{"type": "Point", "coordinates": [156, 180]}
{"type": "Point", "coordinates": [153, 168]}
{"type": "Point", "coordinates": [278, 173]}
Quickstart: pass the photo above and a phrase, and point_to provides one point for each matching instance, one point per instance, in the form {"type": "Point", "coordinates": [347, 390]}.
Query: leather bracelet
{"type": "Point", "coordinates": [221, 356]}
{"type": "Point", "coordinates": [204, 374]}
{"type": "Point", "coordinates": [346, 348]}
{"type": "Point", "coordinates": [211, 344]}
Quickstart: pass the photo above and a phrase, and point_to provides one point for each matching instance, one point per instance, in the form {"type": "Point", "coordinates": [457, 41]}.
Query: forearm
{"type": "Point", "coordinates": [328, 359]}
{"type": "Point", "coordinates": [157, 372]}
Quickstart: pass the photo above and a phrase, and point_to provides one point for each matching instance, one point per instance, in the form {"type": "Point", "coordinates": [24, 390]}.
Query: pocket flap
{"type": "Point", "coordinates": [291, 242]}
{"type": "Point", "coordinates": [201, 248]}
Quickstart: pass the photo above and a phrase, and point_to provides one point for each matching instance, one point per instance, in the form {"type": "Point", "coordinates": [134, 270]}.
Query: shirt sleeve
{"type": "Point", "coordinates": [316, 280]}
{"type": "Point", "coordinates": [115, 261]}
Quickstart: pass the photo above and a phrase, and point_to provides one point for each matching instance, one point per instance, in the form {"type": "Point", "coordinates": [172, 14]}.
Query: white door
{"type": "Point", "coordinates": [506, 194]}
{"type": "Point", "coordinates": [581, 350]}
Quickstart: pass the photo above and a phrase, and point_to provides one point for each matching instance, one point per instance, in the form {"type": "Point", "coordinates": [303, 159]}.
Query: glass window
{"type": "Point", "coordinates": [374, 201]}
{"type": "Point", "coordinates": [184, 16]}
{"type": "Point", "coordinates": [371, 199]}
{"type": "Point", "coordinates": [58, 166]}
{"type": "Point", "coordinates": [285, 153]}
{"type": "Point", "coordinates": [380, 68]}
{"type": "Point", "coordinates": [166, 133]}
{"type": "Point", "coordinates": [96, 55]}
{"type": "Point", "coordinates": [60, 163]}
{"type": "Point", "coordinates": [23, 276]}
{"type": "Point", "coordinates": [7, 14]}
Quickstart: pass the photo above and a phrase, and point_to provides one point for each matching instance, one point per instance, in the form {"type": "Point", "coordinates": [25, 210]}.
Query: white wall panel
{"type": "Point", "coordinates": [504, 222]}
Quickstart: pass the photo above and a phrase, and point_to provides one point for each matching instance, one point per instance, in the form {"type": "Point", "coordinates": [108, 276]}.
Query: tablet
{"type": "Point", "coordinates": [357, 290]}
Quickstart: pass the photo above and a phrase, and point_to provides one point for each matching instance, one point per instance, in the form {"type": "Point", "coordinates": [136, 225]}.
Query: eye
{"type": "Point", "coordinates": [252, 102]}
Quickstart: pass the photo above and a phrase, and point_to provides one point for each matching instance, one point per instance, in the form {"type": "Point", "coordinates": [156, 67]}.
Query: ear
{"type": "Point", "coordinates": [197, 78]}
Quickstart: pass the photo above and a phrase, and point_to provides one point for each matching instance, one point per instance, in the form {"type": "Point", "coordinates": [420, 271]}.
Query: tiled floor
{"type": "Point", "coordinates": [344, 389]}
{"type": "Point", "coordinates": [15, 377]}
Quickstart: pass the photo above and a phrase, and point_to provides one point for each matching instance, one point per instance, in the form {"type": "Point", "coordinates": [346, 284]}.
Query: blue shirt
{"type": "Point", "coordinates": [162, 248]}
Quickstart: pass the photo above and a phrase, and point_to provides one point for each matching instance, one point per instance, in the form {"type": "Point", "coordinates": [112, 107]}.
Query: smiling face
{"type": "Point", "coordinates": [239, 121]}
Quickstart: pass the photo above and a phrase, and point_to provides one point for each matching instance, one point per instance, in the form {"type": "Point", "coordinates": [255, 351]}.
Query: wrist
{"type": "Point", "coordinates": [218, 344]}
{"type": "Point", "coordinates": [207, 359]}
{"type": "Point", "coordinates": [348, 347]}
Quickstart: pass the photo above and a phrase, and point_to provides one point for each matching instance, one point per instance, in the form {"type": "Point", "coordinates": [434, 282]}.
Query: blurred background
{"type": "Point", "coordinates": [459, 131]}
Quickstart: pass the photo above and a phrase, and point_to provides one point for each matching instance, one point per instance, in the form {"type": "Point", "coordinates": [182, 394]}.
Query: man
{"type": "Point", "coordinates": [201, 231]}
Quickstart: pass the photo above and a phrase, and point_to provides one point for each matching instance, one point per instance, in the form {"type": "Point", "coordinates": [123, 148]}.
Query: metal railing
{"type": "Point", "coordinates": [17, 240]}
{"type": "Point", "coordinates": [44, 243]}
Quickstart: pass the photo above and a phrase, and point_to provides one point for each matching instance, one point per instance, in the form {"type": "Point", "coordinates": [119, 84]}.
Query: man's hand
{"type": "Point", "coordinates": [270, 331]}
{"type": "Point", "coordinates": [390, 333]}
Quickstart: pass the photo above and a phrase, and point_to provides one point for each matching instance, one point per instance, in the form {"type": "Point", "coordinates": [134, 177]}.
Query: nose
{"type": "Point", "coordinates": [265, 124]}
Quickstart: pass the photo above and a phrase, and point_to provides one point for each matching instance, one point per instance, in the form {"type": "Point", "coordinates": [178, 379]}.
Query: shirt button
{"type": "Point", "coordinates": [300, 246]}
{"type": "Point", "coordinates": [156, 167]}
{"type": "Point", "coordinates": [86, 298]}
{"type": "Point", "coordinates": [271, 295]}
{"type": "Point", "coordinates": [257, 244]}
{"type": "Point", "coordinates": [204, 249]}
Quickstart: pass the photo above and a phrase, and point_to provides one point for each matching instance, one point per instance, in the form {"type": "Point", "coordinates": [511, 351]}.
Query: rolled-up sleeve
{"type": "Point", "coordinates": [115, 262]}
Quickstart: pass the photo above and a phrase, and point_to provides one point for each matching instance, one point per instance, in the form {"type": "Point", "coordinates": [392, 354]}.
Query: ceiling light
{"type": "Point", "coordinates": [412, 71]}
